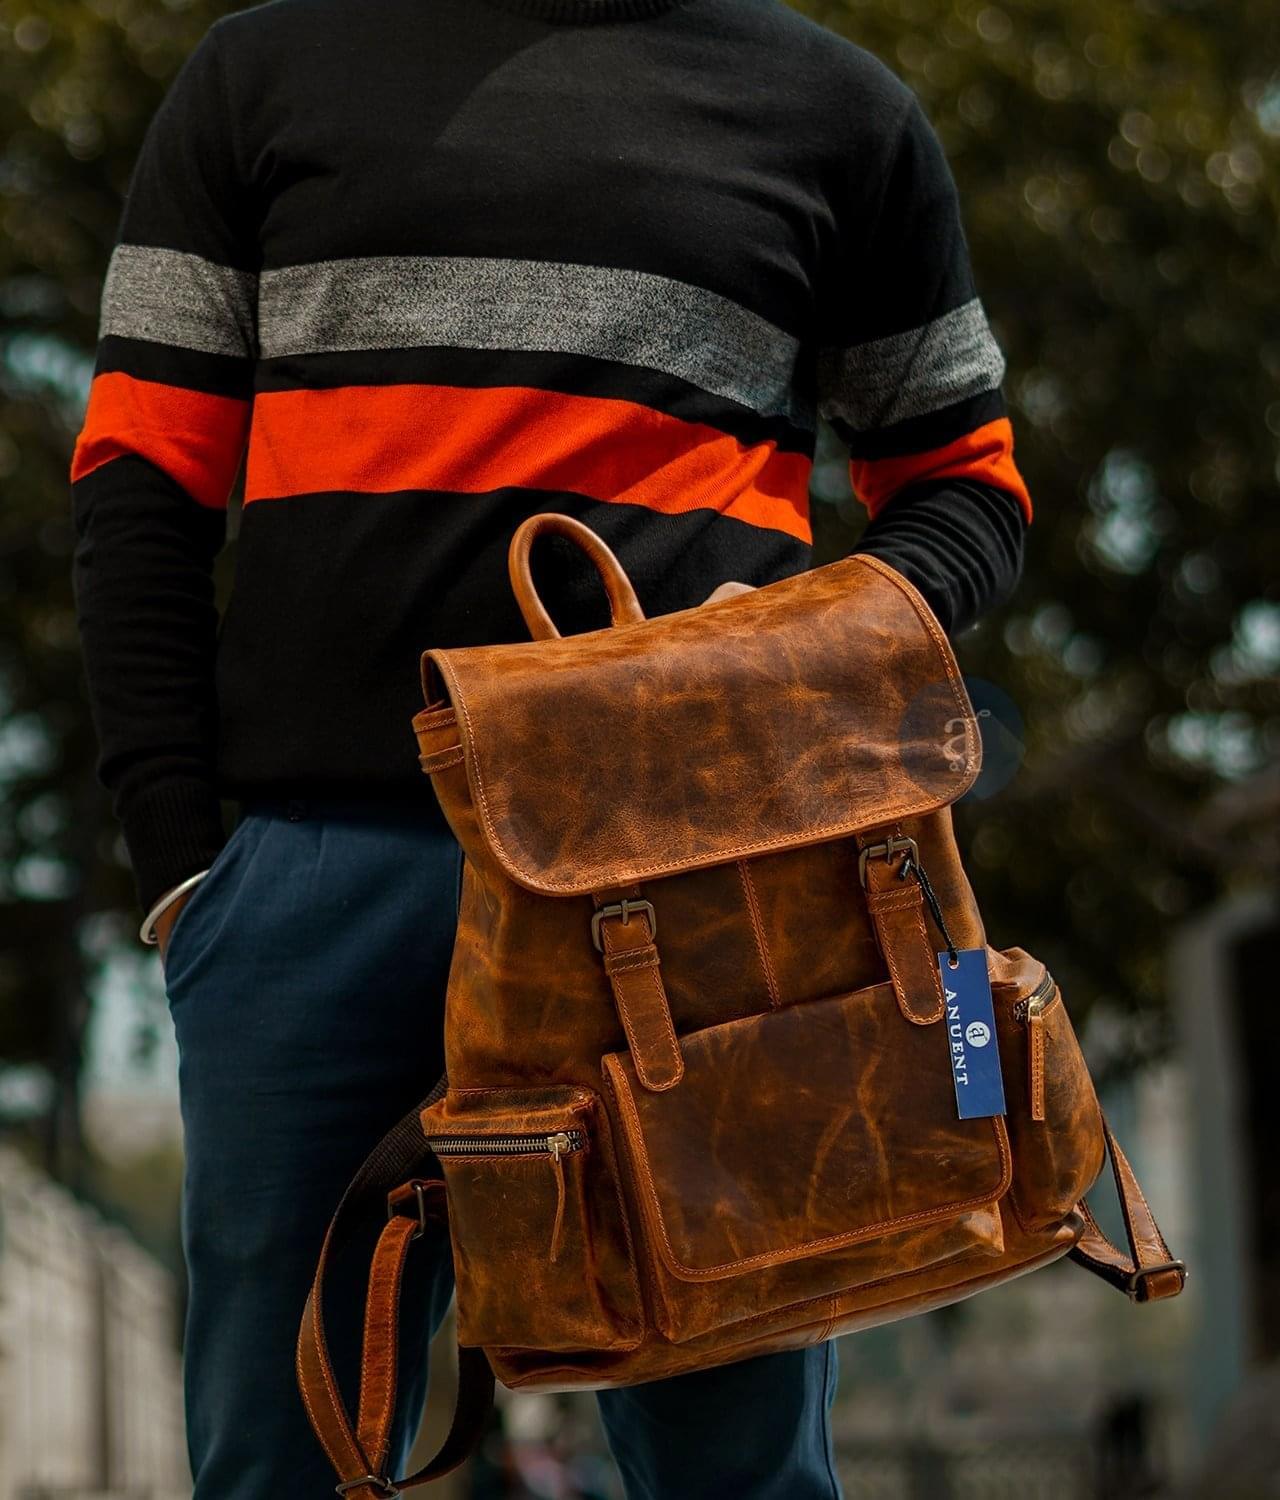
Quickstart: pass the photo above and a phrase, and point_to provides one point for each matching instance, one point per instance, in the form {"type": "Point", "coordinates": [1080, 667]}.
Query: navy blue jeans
{"type": "Point", "coordinates": [306, 979]}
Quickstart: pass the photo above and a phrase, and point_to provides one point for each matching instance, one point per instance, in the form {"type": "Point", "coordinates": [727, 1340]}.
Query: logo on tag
{"type": "Point", "coordinates": [970, 1023]}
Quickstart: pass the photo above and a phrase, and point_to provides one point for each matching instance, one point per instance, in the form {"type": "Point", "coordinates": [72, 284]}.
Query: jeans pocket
{"type": "Point", "coordinates": [189, 913]}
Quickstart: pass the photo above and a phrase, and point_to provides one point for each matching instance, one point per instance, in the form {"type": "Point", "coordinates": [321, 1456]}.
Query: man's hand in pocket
{"type": "Point", "coordinates": [165, 921]}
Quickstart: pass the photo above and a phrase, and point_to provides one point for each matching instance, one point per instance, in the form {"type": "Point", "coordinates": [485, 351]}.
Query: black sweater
{"type": "Point", "coordinates": [429, 266]}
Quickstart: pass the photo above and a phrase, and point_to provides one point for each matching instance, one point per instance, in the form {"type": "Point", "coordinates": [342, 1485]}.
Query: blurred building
{"type": "Point", "coordinates": [90, 1391]}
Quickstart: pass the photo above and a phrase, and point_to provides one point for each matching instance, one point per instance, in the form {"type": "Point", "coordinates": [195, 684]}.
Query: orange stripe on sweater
{"type": "Point", "coordinates": [435, 437]}
{"type": "Point", "coordinates": [984, 454]}
{"type": "Point", "coordinates": [196, 438]}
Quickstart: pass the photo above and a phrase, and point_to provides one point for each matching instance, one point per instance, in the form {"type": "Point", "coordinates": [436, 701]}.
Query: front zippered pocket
{"type": "Point", "coordinates": [1030, 1011]}
{"type": "Point", "coordinates": [554, 1146]}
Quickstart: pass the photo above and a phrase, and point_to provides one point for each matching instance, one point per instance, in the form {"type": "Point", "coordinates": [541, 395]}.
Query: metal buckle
{"type": "Point", "coordinates": [622, 909]}
{"type": "Point", "coordinates": [1131, 1289]}
{"type": "Point", "coordinates": [393, 1212]}
{"type": "Point", "coordinates": [887, 850]}
{"type": "Point", "coordinates": [384, 1487]}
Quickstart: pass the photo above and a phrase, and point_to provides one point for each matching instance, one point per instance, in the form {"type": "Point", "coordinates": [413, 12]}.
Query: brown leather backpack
{"type": "Point", "coordinates": [699, 1102]}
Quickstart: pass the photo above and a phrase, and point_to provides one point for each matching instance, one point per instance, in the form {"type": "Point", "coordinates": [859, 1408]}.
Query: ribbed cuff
{"type": "Point", "coordinates": [172, 828]}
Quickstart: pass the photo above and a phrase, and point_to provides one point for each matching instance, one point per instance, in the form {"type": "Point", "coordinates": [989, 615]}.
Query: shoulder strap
{"type": "Point", "coordinates": [1148, 1272]}
{"type": "Point", "coordinates": [359, 1454]}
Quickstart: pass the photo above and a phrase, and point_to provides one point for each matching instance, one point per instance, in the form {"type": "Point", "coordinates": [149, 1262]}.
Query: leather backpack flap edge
{"type": "Point", "coordinates": [761, 723]}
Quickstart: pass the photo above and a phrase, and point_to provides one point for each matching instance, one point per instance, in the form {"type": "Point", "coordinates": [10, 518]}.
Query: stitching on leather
{"type": "Point", "coordinates": [441, 760]}
{"type": "Point", "coordinates": [637, 1052]}
{"type": "Point", "coordinates": [502, 1088]}
{"type": "Point", "coordinates": [390, 1331]}
{"type": "Point", "coordinates": [638, 958]}
{"type": "Point", "coordinates": [609, 1158]}
{"type": "Point", "coordinates": [1036, 1042]}
{"type": "Point", "coordinates": [665, 1019]}
{"type": "Point", "coordinates": [786, 1312]}
{"type": "Point", "coordinates": [674, 1059]}
{"type": "Point", "coordinates": [900, 989]}
{"type": "Point", "coordinates": [435, 718]}
{"type": "Point", "coordinates": [636, 1135]}
{"type": "Point", "coordinates": [1142, 1198]}
{"type": "Point", "coordinates": [892, 901]}
{"type": "Point", "coordinates": [651, 1298]}
{"type": "Point", "coordinates": [1087, 1214]}
{"type": "Point", "coordinates": [326, 1375]}
{"type": "Point", "coordinates": [941, 1008]}
{"type": "Point", "coordinates": [830, 1321]}
{"type": "Point", "coordinates": [757, 926]}
{"type": "Point", "coordinates": [645, 1304]}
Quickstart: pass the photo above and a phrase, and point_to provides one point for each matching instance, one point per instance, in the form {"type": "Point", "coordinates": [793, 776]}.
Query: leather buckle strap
{"type": "Point", "coordinates": [634, 971]}
{"type": "Point", "coordinates": [896, 907]}
{"type": "Point", "coordinates": [622, 909]}
{"type": "Point", "coordinates": [1136, 1291]}
{"type": "Point", "coordinates": [885, 850]}
{"type": "Point", "coordinates": [381, 1487]}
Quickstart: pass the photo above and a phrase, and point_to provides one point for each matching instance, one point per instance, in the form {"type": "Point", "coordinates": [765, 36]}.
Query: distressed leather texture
{"type": "Point", "coordinates": [752, 1069]}
{"type": "Point", "coordinates": [724, 732]}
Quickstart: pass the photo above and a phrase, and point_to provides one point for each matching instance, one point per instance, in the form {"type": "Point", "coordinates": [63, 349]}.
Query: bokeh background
{"type": "Point", "coordinates": [1119, 166]}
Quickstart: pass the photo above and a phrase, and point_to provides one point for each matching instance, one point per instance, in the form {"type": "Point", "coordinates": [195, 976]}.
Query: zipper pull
{"type": "Point", "coordinates": [1035, 1056]}
{"type": "Point", "coordinates": [557, 1145]}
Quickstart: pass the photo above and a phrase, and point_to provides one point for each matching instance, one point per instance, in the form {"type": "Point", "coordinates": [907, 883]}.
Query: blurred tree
{"type": "Point", "coordinates": [1117, 165]}
{"type": "Point", "coordinates": [78, 85]}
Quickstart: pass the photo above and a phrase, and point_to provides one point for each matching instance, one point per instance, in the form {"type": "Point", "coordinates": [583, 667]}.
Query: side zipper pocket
{"type": "Point", "coordinates": [554, 1147]}
{"type": "Point", "coordinates": [1053, 1117]}
{"type": "Point", "coordinates": [1030, 1011]}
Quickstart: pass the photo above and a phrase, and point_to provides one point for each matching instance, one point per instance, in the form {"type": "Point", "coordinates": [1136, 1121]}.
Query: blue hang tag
{"type": "Point", "coordinates": [971, 1034]}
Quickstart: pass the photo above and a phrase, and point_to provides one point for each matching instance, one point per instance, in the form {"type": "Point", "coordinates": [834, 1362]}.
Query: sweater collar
{"type": "Point", "coordinates": [579, 12]}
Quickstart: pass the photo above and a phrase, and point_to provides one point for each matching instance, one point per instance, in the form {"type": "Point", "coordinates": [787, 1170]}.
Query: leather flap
{"type": "Point", "coordinates": [814, 708]}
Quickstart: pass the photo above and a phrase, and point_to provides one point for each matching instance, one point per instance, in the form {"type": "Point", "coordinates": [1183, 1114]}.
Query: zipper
{"type": "Point", "coordinates": [1034, 1003]}
{"type": "Point", "coordinates": [1030, 1010]}
{"type": "Point", "coordinates": [554, 1146]}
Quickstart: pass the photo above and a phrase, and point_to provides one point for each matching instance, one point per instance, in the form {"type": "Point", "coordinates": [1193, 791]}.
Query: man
{"type": "Point", "coordinates": [439, 264]}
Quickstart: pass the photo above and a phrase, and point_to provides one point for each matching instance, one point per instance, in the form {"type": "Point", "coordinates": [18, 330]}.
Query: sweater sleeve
{"type": "Point", "coordinates": [152, 470]}
{"type": "Point", "coordinates": [909, 376]}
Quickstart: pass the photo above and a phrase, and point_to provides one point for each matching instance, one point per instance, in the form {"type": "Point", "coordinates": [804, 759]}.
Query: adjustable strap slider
{"type": "Point", "coordinates": [380, 1486]}
{"type": "Point", "coordinates": [412, 1196]}
{"type": "Point", "coordinates": [1135, 1288]}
